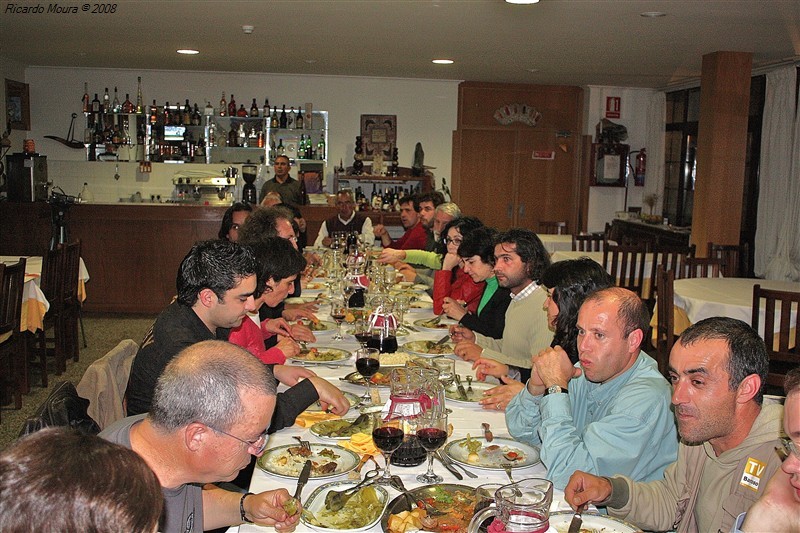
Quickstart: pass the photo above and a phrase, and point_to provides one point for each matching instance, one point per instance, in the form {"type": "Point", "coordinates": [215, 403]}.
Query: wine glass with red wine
{"type": "Point", "coordinates": [367, 364]}
{"type": "Point", "coordinates": [338, 312]}
{"type": "Point", "coordinates": [387, 436]}
{"type": "Point", "coordinates": [432, 434]}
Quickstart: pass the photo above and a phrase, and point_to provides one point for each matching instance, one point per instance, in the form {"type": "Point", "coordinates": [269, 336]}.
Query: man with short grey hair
{"type": "Point", "coordinates": [211, 411]}
{"type": "Point", "coordinates": [443, 215]}
{"type": "Point", "coordinates": [346, 220]}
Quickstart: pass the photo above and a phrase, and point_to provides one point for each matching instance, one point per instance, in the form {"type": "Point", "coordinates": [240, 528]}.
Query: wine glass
{"type": "Point", "coordinates": [447, 370]}
{"type": "Point", "coordinates": [432, 434]}
{"type": "Point", "coordinates": [401, 304]}
{"type": "Point", "coordinates": [387, 436]}
{"type": "Point", "coordinates": [338, 312]}
{"type": "Point", "coordinates": [362, 331]}
{"type": "Point", "coordinates": [367, 364]}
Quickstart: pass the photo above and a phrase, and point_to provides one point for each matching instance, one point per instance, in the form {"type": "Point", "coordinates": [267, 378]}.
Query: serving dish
{"type": "Point", "coordinates": [315, 505]}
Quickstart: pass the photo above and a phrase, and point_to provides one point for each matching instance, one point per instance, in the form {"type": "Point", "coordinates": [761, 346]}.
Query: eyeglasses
{"type": "Point", "coordinates": [787, 448]}
{"type": "Point", "coordinates": [448, 240]}
{"type": "Point", "coordinates": [255, 447]}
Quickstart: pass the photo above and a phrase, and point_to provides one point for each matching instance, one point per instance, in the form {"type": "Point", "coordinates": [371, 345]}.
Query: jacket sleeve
{"type": "Point", "coordinates": [441, 287]}
{"type": "Point", "coordinates": [523, 417]}
{"type": "Point", "coordinates": [323, 232]}
{"type": "Point", "coordinates": [291, 403]}
{"type": "Point", "coordinates": [425, 258]}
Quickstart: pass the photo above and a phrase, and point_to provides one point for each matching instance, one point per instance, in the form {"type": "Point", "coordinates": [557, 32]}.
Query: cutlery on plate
{"type": "Point", "coordinates": [461, 392]}
{"type": "Point", "coordinates": [450, 468]}
{"type": "Point", "coordinates": [446, 459]}
{"type": "Point", "coordinates": [507, 468]}
{"type": "Point", "coordinates": [577, 520]}
{"type": "Point", "coordinates": [442, 340]}
{"type": "Point", "coordinates": [302, 480]}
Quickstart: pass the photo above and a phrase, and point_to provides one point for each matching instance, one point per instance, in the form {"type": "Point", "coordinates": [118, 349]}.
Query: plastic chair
{"type": "Point", "coordinates": [783, 347]}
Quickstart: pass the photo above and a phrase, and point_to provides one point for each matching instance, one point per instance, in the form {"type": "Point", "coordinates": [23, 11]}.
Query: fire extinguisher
{"type": "Point", "coordinates": [641, 168]}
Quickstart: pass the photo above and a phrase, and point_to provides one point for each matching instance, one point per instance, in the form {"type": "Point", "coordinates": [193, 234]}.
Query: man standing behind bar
{"type": "Point", "coordinates": [283, 183]}
{"type": "Point", "coordinates": [345, 220]}
{"type": "Point", "coordinates": [415, 236]}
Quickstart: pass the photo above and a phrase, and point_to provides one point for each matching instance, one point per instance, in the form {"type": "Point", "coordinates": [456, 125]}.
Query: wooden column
{"type": "Point", "coordinates": [721, 146]}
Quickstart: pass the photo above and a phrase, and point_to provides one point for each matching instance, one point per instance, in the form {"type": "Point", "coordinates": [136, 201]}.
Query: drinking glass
{"type": "Point", "coordinates": [361, 331]}
{"type": "Point", "coordinates": [338, 312]}
{"type": "Point", "coordinates": [387, 436]}
{"type": "Point", "coordinates": [432, 434]}
{"type": "Point", "coordinates": [401, 304]}
{"type": "Point", "coordinates": [367, 363]}
{"type": "Point", "coordinates": [447, 370]}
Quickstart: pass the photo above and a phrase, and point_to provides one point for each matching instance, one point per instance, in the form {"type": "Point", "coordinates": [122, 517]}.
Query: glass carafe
{"type": "Point", "coordinates": [383, 325]}
{"type": "Point", "coordinates": [522, 507]}
{"type": "Point", "coordinates": [414, 391]}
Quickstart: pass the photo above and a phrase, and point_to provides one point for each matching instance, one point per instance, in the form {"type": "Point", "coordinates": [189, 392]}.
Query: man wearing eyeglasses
{"type": "Point", "coordinates": [778, 510]}
{"type": "Point", "coordinates": [728, 439]}
{"type": "Point", "coordinates": [190, 441]}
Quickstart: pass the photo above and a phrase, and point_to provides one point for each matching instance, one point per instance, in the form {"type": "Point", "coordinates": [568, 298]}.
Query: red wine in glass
{"type": "Point", "coordinates": [383, 344]}
{"type": "Point", "coordinates": [367, 366]}
{"type": "Point", "coordinates": [387, 439]}
{"type": "Point", "coordinates": [363, 338]}
{"type": "Point", "coordinates": [432, 438]}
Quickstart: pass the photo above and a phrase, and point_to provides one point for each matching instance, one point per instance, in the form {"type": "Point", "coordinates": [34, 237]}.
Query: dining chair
{"type": "Point", "coordinates": [625, 264]}
{"type": "Point", "coordinates": [50, 285]}
{"type": "Point", "coordinates": [783, 347]}
{"type": "Point", "coordinates": [553, 227]}
{"type": "Point", "coordinates": [592, 242]}
{"type": "Point", "coordinates": [665, 324]}
{"type": "Point", "coordinates": [735, 257]}
{"type": "Point", "coordinates": [701, 267]}
{"type": "Point", "coordinates": [72, 302]}
{"type": "Point", "coordinates": [13, 359]}
{"type": "Point", "coordinates": [670, 258]}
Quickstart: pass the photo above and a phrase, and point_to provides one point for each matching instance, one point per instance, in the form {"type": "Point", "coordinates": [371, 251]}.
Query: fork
{"type": "Point", "coordinates": [507, 468]}
{"type": "Point", "coordinates": [303, 443]}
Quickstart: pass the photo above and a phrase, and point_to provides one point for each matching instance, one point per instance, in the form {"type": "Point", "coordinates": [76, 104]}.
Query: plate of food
{"type": "Point", "coordinates": [434, 324]}
{"type": "Point", "coordinates": [342, 429]}
{"type": "Point", "coordinates": [456, 502]}
{"type": "Point", "coordinates": [328, 460]}
{"type": "Point", "coordinates": [493, 455]}
{"type": "Point", "coordinates": [591, 523]}
{"type": "Point", "coordinates": [391, 360]}
{"type": "Point", "coordinates": [380, 379]}
{"type": "Point", "coordinates": [320, 326]}
{"type": "Point", "coordinates": [360, 512]}
{"type": "Point", "coordinates": [300, 299]}
{"type": "Point", "coordinates": [315, 286]}
{"type": "Point", "coordinates": [321, 355]}
{"type": "Point", "coordinates": [352, 398]}
{"type": "Point", "coordinates": [428, 348]}
{"type": "Point", "coordinates": [474, 392]}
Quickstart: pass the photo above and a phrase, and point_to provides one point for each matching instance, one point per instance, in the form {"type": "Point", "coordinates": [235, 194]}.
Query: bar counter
{"type": "Point", "coordinates": [132, 250]}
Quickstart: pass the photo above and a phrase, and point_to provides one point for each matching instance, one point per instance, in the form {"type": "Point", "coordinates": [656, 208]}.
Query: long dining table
{"type": "Point", "coordinates": [465, 418]}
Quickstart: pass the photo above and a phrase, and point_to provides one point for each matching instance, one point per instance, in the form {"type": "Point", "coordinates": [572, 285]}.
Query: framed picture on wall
{"type": "Point", "coordinates": [609, 164]}
{"type": "Point", "coordinates": [18, 108]}
{"type": "Point", "coordinates": [379, 134]}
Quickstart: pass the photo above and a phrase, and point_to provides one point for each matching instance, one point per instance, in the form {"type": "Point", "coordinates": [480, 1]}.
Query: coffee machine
{"type": "Point", "coordinates": [204, 190]}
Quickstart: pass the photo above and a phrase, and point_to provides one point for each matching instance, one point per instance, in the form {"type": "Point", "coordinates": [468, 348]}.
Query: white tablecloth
{"type": "Point", "coordinates": [556, 243]}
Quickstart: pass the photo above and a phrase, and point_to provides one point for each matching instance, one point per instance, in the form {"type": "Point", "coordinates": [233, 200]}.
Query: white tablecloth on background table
{"type": "Point", "coordinates": [555, 243]}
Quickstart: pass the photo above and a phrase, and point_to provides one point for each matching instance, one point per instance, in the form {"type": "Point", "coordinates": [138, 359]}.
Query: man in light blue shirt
{"type": "Point", "coordinates": [608, 414]}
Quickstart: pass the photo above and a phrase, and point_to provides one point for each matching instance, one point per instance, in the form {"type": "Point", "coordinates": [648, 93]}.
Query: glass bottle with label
{"type": "Point", "coordinates": [86, 104]}
{"type": "Point", "coordinates": [127, 105]}
{"type": "Point", "coordinates": [290, 118]}
{"type": "Point", "coordinates": [242, 112]}
{"type": "Point", "coordinates": [284, 120]}
{"type": "Point", "coordinates": [254, 109]}
{"type": "Point", "coordinates": [232, 107]}
{"type": "Point", "coordinates": [106, 102]}
{"type": "Point", "coordinates": [274, 122]}
{"type": "Point", "coordinates": [223, 106]}
{"type": "Point", "coordinates": [139, 98]}
{"type": "Point", "coordinates": [116, 107]}
{"type": "Point", "coordinates": [298, 123]}
{"type": "Point", "coordinates": [186, 116]}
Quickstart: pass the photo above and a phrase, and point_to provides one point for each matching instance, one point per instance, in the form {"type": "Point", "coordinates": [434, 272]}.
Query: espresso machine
{"type": "Point", "coordinates": [204, 189]}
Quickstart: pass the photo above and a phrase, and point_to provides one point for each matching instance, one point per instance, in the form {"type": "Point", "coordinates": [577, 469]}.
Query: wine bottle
{"type": "Point", "coordinates": [232, 107]}
{"type": "Point", "coordinates": [223, 105]}
{"type": "Point", "coordinates": [281, 149]}
{"type": "Point", "coordinates": [196, 117]}
{"type": "Point", "coordinates": [242, 112]}
{"type": "Point", "coordinates": [291, 118]}
{"type": "Point", "coordinates": [273, 121]}
{"type": "Point", "coordinates": [265, 111]}
{"type": "Point", "coordinates": [254, 109]}
{"type": "Point", "coordinates": [86, 104]}
{"type": "Point", "coordinates": [186, 117]}
{"type": "Point", "coordinates": [106, 102]}
{"type": "Point", "coordinates": [116, 107]}
{"type": "Point", "coordinates": [284, 120]}
{"type": "Point", "coordinates": [127, 105]}
{"type": "Point", "coordinates": [139, 98]}
{"type": "Point", "coordinates": [321, 148]}
{"type": "Point", "coordinates": [298, 123]}
{"type": "Point", "coordinates": [95, 104]}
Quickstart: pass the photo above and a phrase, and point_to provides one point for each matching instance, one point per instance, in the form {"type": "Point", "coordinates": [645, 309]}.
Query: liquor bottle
{"type": "Point", "coordinates": [232, 107]}
{"type": "Point", "coordinates": [116, 107]}
{"type": "Point", "coordinates": [167, 114]}
{"type": "Point", "coordinates": [298, 122]}
{"type": "Point", "coordinates": [273, 121]}
{"type": "Point", "coordinates": [186, 117]}
{"type": "Point", "coordinates": [281, 149]}
{"type": "Point", "coordinates": [86, 104]}
{"type": "Point", "coordinates": [242, 112]}
{"type": "Point", "coordinates": [95, 104]}
{"type": "Point", "coordinates": [265, 111]}
{"type": "Point", "coordinates": [374, 198]}
{"type": "Point", "coordinates": [321, 148]}
{"type": "Point", "coordinates": [196, 117]}
{"type": "Point", "coordinates": [284, 121]}
{"type": "Point", "coordinates": [139, 98]}
{"type": "Point", "coordinates": [127, 105]}
{"type": "Point", "coordinates": [208, 110]}
{"type": "Point", "coordinates": [233, 136]}
{"type": "Point", "coordinates": [241, 135]}
{"type": "Point", "coordinates": [223, 106]}
{"type": "Point", "coordinates": [254, 109]}
{"type": "Point", "coordinates": [260, 138]}
{"type": "Point", "coordinates": [290, 118]}
{"type": "Point", "coordinates": [153, 114]}
{"type": "Point", "coordinates": [106, 102]}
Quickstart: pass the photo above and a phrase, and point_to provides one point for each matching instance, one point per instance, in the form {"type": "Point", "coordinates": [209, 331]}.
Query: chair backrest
{"type": "Point", "coordinates": [701, 267]}
{"type": "Point", "coordinates": [734, 255]}
{"type": "Point", "coordinates": [625, 264]}
{"type": "Point", "coordinates": [104, 383]}
{"type": "Point", "coordinates": [665, 328]}
{"type": "Point", "coordinates": [783, 343]}
{"type": "Point", "coordinates": [11, 283]}
{"type": "Point", "coordinates": [588, 243]}
{"type": "Point", "coordinates": [553, 227]}
{"type": "Point", "coordinates": [52, 268]}
{"type": "Point", "coordinates": [72, 262]}
{"type": "Point", "coordinates": [670, 258]}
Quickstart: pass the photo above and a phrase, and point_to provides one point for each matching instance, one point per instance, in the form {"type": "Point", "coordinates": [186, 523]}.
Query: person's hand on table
{"type": "Point", "coordinates": [583, 487]}
{"type": "Point", "coordinates": [276, 326]}
{"type": "Point", "coordinates": [390, 255]}
{"type": "Point", "coordinates": [311, 306]}
{"type": "Point", "coordinates": [554, 367]}
{"type": "Point", "coordinates": [330, 398]}
{"type": "Point", "coordinates": [266, 509]}
{"type": "Point", "coordinates": [776, 507]}
{"type": "Point", "coordinates": [460, 333]}
{"type": "Point", "coordinates": [498, 397]}
{"type": "Point", "coordinates": [289, 347]}
{"type": "Point", "coordinates": [450, 261]}
{"type": "Point", "coordinates": [302, 333]}
{"type": "Point", "coordinates": [489, 367]}
{"type": "Point", "coordinates": [468, 351]}
{"type": "Point", "coordinates": [291, 375]}
{"type": "Point", "coordinates": [453, 308]}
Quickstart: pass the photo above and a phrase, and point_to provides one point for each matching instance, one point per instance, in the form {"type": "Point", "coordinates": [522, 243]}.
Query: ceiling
{"type": "Point", "coordinates": [569, 42]}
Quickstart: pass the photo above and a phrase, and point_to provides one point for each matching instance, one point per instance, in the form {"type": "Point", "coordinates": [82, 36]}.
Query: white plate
{"type": "Point", "coordinates": [316, 502]}
{"type": "Point", "coordinates": [419, 304]}
{"type": "Point", "coordinates": [352, 398]}
{"type": "Point", "coordinates": [330, 327]}
{"type": "Point", "coordinates": [452, 395]}
{"type": "Point", "coordinates": [345, 462]}
{"type": "Point", "coordinates": [315, 286]}
{"type": "Point", "coordinates": [594, 522]}
{"type": "Point", "coordinates": [492, 460]}
{"type": "Point", "coordinates": [442, 327]}
{"type": "Point", "coordinates": [341, 355]}
{"type": "Point", "coordinates": [417, 347]}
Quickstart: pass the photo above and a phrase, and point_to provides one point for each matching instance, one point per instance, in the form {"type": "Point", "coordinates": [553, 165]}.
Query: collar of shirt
{"type": "Point", "coordinates": [343, 221]}
{"type": "Point", "coordinates": [524, 293]}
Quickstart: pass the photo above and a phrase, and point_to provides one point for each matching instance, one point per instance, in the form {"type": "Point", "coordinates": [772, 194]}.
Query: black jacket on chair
{"type": "Point", "coordinates": [63, 407]}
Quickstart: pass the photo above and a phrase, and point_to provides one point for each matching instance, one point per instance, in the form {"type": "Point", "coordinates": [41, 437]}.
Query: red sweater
{"type": "Point", "coordinates": [462, 288]}
{"type": "Point", "coordinates": [413, 239]}
{"type": "Point", "coordinates": [248, 335]}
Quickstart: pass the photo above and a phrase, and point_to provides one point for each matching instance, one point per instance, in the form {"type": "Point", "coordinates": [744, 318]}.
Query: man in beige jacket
{"type": "Point", "coordinates": [727, 453]}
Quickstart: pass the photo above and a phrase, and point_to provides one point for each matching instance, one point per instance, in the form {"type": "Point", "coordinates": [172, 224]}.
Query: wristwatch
{"type": "Point", "coordinates": [555, 389]}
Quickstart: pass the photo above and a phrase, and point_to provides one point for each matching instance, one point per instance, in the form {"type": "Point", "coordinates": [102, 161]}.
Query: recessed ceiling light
{"type": "Point", "coordinates": [247, 29]}
{"type": "Point", "coordinates": [652, 14]}
{"type": "Point", "coordinates": [443, 61]}
{"type": "Point", "coordinates": [522, 1]}
{"type": "Point", "coordinates": [188, 51]}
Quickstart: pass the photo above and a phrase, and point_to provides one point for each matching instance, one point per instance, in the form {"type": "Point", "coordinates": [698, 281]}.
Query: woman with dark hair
{"type": "Point", "coordinates": [233, 218]}
{"type": "Point", "coordinates": [451, 281]}
{"type": "Point", "coordinates": [477, 255]}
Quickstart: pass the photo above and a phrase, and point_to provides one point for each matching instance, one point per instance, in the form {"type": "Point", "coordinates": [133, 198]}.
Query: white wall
{"type": "Point", "coordinates": [426, 112]}
{"type": "Point", "coordinates": [604, 201]}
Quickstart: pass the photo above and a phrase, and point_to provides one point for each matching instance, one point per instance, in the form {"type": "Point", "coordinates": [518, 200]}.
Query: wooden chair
{"type": "Point", "coordinates": [553, 227]}
{"type": "Point", "coordinates": [735, 257]}
{"type": "Point", "coordinates": [783, 347]}
{"type": "Point", "coordinates": [701, 267]}
{"type": "Point", "coordinates": [665, 327]}
{"type": "Point", "coordinates": [588, 243]}
{"type": "Point", "coordinates": [670, 258]}
{"type": "Point", "coordinates": [12, 349]}
{"type": "Point", "coordinates": [50, 284]}
{"type": "Point", "coordinates": [72, 302]}
{"type": "Point", "coordinates": [625, 264]}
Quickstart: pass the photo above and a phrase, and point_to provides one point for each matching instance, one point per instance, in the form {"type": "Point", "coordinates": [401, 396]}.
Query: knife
{"type": "Point", "coordinates": [442, 340]}
{"type": "Point", "coordinates": [302, 480]}
{"type": "Point", "coordinates": [577, 520]}
{"type": "Point", "coordinates": [450, 468]}
{"type": "Point", "coordinates": [461, 391]}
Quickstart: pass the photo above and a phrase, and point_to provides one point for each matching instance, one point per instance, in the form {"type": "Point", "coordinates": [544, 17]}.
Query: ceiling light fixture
{"type": "Point", "coordinates": [652, 14]}
{"type": "Point", "coordinates": [522, 2]}
{"type": "Point", "coordinates": [188, 51]}
{"type": "Point", "coordinates": [247, 29]}
{"type": "Point", "coordinates": [442, 61]}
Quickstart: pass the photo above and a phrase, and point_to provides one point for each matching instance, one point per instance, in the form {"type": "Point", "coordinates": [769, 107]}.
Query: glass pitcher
{"type": "Point", "coordinates": [522, 507]}
{"type": "Point", "coordinates": [383, 325]}
{"type": "Point", "coordinates": [414, 391]}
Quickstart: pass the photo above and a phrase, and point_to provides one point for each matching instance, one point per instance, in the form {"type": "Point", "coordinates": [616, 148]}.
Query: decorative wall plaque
{"type": "Point", "coordinates": [379, 134]}
{"type": "Point", "coordinates": [524, 113]}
